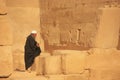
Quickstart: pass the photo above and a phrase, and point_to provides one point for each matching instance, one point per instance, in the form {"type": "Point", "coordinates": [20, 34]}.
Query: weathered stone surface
{"type": "Point", "coordinates": [102, 50]}
{"type": "Point", "coordinates": [108, 30]}
{"type": "Point", "coordinates": [6, 31]}
{"type": "Point", "coordinates": [105, 74]}
{"type": "Point", "coordinates": [6, 63]}
{"type": "Point", "coordinates": [103, 59]}
{"type": "Point", "coordinates": [41, 69]}
{"type": "Point", "coordinates": [23, 3]}
{"type": "Point", "coordinates": [55, 77]}
{"type": "Point", "coordinates": [83, 76]}
{"type": "Point", "coordinates": [53, 65]}
{"type": "Point", "coordinates": [4, 79]}
{"type": "Point", "coordinates": [23, 24]}
{"type": "Point", "coordinates": [38, 66]}
{"type": "Point", "coordinates": [54, 35]}
{"type": "Point", "coordinates": [18, 61]}
{"type": "Point", "coordinates": [60, 52]}
{"type": "Point", "coordinates": [26, 76]}
{"type": "Point", "coordinates": [73, 62]}
{"type": "Point", "coordinates": [45, 54]}
{"type": "Point", "coordinates": [3, 7]}
{"type": "Point", "coordinates": [29, 78]}
{"type": "Point", "coordinates": [41, 63]}
{"type": "Point", "coordinates": [74, 26]}
{"type": "Point", "coordinates": [25, 17]}
{"type": "Point", "coordinates": [104, 64]}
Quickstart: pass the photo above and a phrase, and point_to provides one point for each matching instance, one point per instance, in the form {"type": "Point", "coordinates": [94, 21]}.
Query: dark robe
{"type": "Point", "coordinates": [31, 51]}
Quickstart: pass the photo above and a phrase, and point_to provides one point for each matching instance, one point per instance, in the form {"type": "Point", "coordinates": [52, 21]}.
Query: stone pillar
{"type": "Point", "coordinates": [108, 30]}
{"type": "Point", "coordinates": [103, 62]}
{"type": "Point", "coordinates": [5, 42]}
{"type": "Point", "coordinates": [25, 17]}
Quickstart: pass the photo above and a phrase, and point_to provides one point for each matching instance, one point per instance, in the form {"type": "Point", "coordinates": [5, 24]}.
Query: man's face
{"type": "Point", "coordinates": [34, 35]}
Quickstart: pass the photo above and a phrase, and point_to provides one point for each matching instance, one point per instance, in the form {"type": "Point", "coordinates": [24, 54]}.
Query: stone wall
{"type": "Point", "coordinates": [108, 30]}
{"type": "Point", "coordinates": [95, 64]}
{"type": "Point", "coordinates": [24, 16]}
{"type": "Point", "coordinates": [74, 22]}
{"type": "Point", "coordinates": [6, 62]}
{"type": "Point", "coordinates": [68, 22]}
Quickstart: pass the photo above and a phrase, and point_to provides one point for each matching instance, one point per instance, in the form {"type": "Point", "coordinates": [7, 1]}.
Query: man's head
{"type": "Point", "coordinates": [34, 33]}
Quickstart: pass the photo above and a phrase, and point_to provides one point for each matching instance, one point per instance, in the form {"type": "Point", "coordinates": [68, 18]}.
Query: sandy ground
{"type": "Point", "coordinates": [17, 75]}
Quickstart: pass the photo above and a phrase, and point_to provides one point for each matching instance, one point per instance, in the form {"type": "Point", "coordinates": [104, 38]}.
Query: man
{"type": "Point", "coordinates": [32, 50]}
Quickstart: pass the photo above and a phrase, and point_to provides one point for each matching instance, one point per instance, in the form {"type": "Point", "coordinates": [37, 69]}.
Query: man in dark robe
{"type": "Point", "coordinates": [32, 50]}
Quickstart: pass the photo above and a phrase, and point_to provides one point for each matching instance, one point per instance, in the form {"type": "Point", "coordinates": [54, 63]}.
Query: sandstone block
{"type": "Point", "coordinates": [18, 61]}
{"type": "Point", "coordinates": [6, 63]}
{"type": "Point", "coordinates": [82, 76]}
{"type": "Point", "coordinates": [55, 77]}
{"type": "Point", "coordinates": [3, 9]}
{"type": "Point", "coordinates": [22, 3]}
{"type": "Point", "coordinates": [29, 78]}
{"type": "Point", "coordinates": [6, 31]}
{"type": "Point", "coordinates": [103, 59]}
{"type": "Point", "coordinates": [25, 76]}
{"type": "Point", "coordinates": [53, 65]}
{"type": "Point", "coordinates": [23, 24]}
{"type": "Point", "coordinates": [4, 79]}
{"type": "Point", "coordinates": [73, 62]}
{"type": "Point", "coordinates": [105, 74]}
{"type": "Point", "coordinates": [40, 70]}
{"type": "Point", "coordinates": [108, 30]}
{"type": "Point", "coordinates": [41, 63]}
{"type": "Point", "coordinates": [77, 77]}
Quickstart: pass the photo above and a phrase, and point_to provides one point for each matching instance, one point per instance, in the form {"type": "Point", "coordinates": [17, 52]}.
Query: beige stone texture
{"type": "Point", "coordinates": [26, 76]}
{"type": "Point", "coordinates": [70, 17]}
{"type": "Point", "coordinates": [24, 17]}
{"type": "Point", "coordinates": [73, 24]}
{"type": "Point", "coordinates": [6, 62]}
{"type": "Point", "coordinates": [40, 70]}
{"type": "Point", "coordinates": [55, 77]}
{"type": "Point", "coordinates": [54, 35]}
{"type": "Point", "coordinates": [29, 78]}
{"type": "Point", "coordinates": [4, 79]}
{"type": "Point", "coordinates": [23, 3]}
{"type": "Point", "coordinates": [38, 66]}
{"type": "Point", "coordinates": [53, 65]}
{"type": "Point", "coordinates": [103, 59]}
{"type": "Point", "coordinates": [45, 54]}
{"type": "Point", "coordinates": [3, 9]}
{"type": "Point", "coordinates": [105, 74]}
{"type": "Point", "coordinates": [73, 62]}
{"type": "Point", "coordinates": [18, 61]}
{"type": "Point", "coordinates": [104, 64]}
{"type": "Point", "coordinates": [83, 76]}
{"type": "Point", "coordinates": [24, 21]}
{"type": "Point", "coordinates": [108, 30]}
{"type": "Point", "coordinates": [6, 31]}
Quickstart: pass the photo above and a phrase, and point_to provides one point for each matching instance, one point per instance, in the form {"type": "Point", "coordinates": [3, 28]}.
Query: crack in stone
{"type": "Point", "coordinates": [3, 14]}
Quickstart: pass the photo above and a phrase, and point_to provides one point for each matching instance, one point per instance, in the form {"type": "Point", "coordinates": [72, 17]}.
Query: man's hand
{"type": "Point", "coordinates": [37, 45]}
